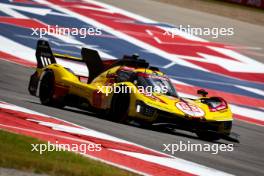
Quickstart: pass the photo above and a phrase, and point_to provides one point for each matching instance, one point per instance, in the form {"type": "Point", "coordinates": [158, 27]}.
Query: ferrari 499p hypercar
{"type": "Point", "coordinates": [127, 89]}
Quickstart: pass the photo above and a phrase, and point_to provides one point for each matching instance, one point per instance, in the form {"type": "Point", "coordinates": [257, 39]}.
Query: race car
{"type": "Point", "coordinates": [127, 89]}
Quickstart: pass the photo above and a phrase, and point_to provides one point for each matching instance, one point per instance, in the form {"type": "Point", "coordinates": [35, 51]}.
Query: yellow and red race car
{"type": "Point", "coordinates": [127, 89]}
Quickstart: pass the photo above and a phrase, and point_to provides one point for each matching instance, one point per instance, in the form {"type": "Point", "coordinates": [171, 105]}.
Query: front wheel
{"type": "Point", "coordinates": [120, 107]}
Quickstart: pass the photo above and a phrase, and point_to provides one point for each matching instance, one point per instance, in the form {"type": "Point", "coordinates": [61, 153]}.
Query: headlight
{"type": "Point", "coordinates": [144, 109]}
{"type": "Point", "coordinates": [215, 103]}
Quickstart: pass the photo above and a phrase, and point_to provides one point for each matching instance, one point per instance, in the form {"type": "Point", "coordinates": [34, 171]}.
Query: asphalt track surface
{"type": "Point", "coordinates": [246, 159]}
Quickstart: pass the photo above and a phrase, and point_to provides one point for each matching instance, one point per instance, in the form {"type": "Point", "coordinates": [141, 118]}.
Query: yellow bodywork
{"type": "Point", "coordinates": [98, 94]}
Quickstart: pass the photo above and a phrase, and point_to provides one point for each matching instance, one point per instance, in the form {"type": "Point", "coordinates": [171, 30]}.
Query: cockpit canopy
{"type": "Point", "coordinates": [152, 81]}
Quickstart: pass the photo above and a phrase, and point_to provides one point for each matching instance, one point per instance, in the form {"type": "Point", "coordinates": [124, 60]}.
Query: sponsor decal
{"type": "Point", "coordinates": [190, 109]}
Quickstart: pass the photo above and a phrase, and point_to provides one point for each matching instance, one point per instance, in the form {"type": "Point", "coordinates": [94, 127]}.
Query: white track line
{"type": "Point", "coordinates": [250, 89]}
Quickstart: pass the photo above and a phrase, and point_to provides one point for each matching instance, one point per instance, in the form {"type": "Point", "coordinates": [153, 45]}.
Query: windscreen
{"type": "Point", "coordinates": [157, 84]}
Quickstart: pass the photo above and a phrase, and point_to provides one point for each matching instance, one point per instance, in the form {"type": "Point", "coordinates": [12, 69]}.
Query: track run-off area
{"type": "Point", "coordinates": [190, 61]}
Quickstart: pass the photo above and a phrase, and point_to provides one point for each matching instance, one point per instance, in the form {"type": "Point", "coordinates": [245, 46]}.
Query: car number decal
{"type": "Point", "coordinates": [190, 109]}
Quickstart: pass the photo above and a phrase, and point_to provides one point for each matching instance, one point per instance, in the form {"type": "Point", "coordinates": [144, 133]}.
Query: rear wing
{"type": "Point", "coordinates": [90, 57]}
{"type": "Point", "coordinates": [93, 61]}
{"type": "Point", "coordinates": [44, 54]}
{"type": "Point", "coordinates": [67, 57]}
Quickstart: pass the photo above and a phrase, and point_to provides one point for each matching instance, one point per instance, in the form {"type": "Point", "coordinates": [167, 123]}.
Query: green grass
{"type": "Point", "coordinates": [15, 152]}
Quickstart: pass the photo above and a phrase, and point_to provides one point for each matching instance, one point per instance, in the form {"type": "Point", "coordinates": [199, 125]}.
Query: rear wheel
{"type": "Point", "coordinates": [120, 107]}
{"type": "Point", "coordinates": [46, 90]}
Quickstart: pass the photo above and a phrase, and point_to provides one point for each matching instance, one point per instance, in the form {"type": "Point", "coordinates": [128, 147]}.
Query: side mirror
{"type": "Point", "coordinates": [202, 92]}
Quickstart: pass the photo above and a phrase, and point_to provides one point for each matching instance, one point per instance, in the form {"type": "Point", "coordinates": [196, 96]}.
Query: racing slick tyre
{"type": "Point", "coordinates": [46, 91]}
{"type": "Point", "coordinates": [120, 107]}
{"type": "Point", "coordinates": [207, 136]}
